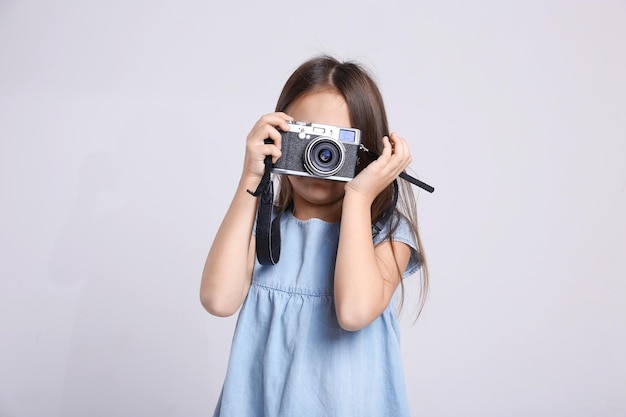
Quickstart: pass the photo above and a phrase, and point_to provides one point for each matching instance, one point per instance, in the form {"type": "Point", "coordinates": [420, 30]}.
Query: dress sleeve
{"type": "Point", "coordinates": [402, 232]}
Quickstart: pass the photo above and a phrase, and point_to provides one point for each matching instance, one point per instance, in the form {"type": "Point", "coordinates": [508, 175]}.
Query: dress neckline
{"type": "Point", "coordinates": [312, 220]}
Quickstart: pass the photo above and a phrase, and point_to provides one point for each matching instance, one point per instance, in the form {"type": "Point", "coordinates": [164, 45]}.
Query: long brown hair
{"type": "Point", "coordinates": [367, 113]}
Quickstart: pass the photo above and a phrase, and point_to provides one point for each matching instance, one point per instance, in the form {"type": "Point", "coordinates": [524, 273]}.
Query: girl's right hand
{"type": "Point", "coordinates": [257, 149]}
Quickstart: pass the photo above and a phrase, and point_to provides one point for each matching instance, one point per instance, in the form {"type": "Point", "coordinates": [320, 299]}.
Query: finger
{"type": "Point", "coordinates": [258, 142]}
{"type": "Point", "coordinates": [259, 134]}
{"type": "Point", "coordinates": [400, 149]}
{"type": "Point", "coordinates": [278, 119]}
{"type": "Point", "coordinates": [273, 151]}
{"type": "Point", "coordinates": [283, 119]}
{"type": "Point", "coordinates": [275, 135]}
{"type": "Point", "coordinates": [387, 150]}
{"type": "Point", "coordinates": [397, 145]}
{"type": "Point", "coordinates": [284, 115]}
{"type": "Point", "coordinates": [397, 160]}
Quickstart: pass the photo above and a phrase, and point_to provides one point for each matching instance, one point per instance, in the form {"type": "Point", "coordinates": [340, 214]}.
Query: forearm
{"type": "Point", "coordinates": [360, 290]}
{"type": "Point", "coordinates": [228, 270]}
{"type": "Point", "coordinates": [366, 277]}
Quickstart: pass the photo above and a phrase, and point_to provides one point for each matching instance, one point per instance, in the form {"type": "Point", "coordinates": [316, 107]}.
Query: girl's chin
{"type": "Point", "coordinates": [318, 190]}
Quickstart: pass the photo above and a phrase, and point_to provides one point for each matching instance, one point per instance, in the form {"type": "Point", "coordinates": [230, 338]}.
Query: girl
{"type": "Point", "coordinates": [317, 334]}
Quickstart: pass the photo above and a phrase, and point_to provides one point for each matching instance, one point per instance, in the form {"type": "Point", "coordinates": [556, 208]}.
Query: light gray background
{"type": "Point", "coordinates": [122, 129]}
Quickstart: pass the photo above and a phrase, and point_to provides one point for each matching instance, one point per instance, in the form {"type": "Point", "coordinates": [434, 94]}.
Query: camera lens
{"type": "Point", "coordinates": [324, 157]}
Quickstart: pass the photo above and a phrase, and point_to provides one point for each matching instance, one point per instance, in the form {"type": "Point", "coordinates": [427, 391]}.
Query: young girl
{"type": "Point", "coordinates": [317, 334]}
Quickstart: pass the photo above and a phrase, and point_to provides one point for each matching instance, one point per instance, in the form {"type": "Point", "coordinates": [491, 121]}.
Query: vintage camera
{"type": "Point", "coordinates": [320, 151]}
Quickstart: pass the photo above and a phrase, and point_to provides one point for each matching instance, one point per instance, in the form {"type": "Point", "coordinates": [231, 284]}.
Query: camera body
{"type": "Point", "coordinates": [319, 151]}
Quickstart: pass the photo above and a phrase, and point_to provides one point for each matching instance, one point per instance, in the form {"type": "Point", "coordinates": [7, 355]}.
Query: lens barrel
{"type": "Point", "coordinates": [324, 156]}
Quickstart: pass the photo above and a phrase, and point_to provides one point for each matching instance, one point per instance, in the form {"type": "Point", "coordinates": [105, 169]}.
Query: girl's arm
{"type": "Point", "coordinates": [366, 277]}
{"type": "Point", "coordinates": [228, 268]}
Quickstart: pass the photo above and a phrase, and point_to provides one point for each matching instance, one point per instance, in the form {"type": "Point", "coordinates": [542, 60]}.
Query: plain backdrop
{"type": "Point", "coordinates": [122, 130]}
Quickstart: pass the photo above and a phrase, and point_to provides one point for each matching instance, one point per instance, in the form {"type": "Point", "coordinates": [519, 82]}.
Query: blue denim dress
{"type": "Point", "coordinates": [290, 357]}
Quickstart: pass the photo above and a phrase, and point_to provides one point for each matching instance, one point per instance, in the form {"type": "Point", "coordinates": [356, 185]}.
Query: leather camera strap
{"type": "Point", "coordinates": [267, 230]}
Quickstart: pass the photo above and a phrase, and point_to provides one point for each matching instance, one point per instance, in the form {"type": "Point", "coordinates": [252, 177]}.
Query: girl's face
{"type": "Point", "coordinates": [313, 197]}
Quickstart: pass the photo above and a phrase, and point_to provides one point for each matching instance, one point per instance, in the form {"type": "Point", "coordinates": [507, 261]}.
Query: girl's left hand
{"type": "Point", "coordinates": [394, 159]}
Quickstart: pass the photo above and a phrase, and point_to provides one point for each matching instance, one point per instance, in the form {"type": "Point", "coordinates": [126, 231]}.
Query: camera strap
{"type": "Point", "coordinates": [267, 230]}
